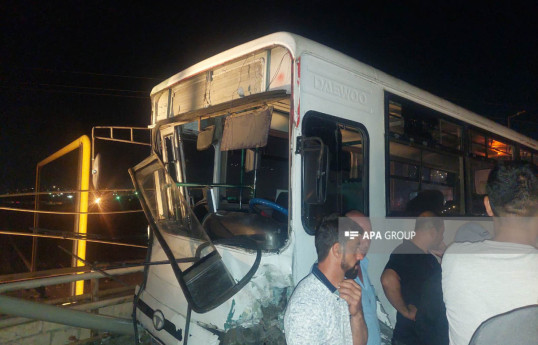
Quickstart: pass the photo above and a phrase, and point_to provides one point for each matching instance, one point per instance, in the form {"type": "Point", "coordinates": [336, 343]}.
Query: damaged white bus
{"type": "Point", "coordinates": [254, 146]}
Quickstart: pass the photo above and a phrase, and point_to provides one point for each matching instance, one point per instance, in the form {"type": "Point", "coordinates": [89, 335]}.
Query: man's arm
{"type": "Point", "coordinates": [351, 292]}
{"type": "Point", "coordinates": [390, 280]}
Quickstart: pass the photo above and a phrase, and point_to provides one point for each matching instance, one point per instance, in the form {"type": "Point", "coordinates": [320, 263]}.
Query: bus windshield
{"type": "Point", "coordinates": [234, 168]}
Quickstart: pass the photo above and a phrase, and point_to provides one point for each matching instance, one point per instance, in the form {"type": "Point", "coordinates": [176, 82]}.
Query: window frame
{"type": "Point", "coordinates": [488, 136]}
{"type": "Point", "coordinates": [469, 156]}
{"type": "Point", "coordinates": [366, 160]}
{"type": "Point", "coordinates": [388, 96]}
{"type": "Point", "coordinates": [465, 152]}
{"type": "Point", "coordinates": [533, 153]}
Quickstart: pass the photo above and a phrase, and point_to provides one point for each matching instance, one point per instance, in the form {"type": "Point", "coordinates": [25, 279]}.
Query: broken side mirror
{"type": "Point", "coordinates": [315, 169]}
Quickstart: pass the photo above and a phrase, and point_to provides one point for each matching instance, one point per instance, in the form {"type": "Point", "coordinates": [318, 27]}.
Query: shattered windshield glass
{"type": "Point", "coordinates": [233, 173]}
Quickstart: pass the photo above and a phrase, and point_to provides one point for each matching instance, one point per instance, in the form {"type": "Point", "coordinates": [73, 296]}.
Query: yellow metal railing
{"type": "Point", "coordinates": [79, 246]}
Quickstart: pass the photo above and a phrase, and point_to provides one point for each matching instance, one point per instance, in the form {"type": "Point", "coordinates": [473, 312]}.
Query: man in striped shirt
{"type": "Point", "coordinates": [326, 308]}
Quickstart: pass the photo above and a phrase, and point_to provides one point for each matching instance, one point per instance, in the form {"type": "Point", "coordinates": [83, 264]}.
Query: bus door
{"type": "Point", "coordinates": [337, 131]}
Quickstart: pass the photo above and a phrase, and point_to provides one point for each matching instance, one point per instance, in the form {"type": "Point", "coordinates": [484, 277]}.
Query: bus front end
{"type": "Point", "coordinates": [215, 193]}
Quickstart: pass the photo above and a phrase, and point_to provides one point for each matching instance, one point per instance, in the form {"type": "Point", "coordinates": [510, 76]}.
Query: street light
{"type": "Point", "coordinates": [516, 114]}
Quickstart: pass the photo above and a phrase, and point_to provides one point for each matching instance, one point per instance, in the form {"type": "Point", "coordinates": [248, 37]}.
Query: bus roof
{"type": "Point", "coordinates": [298, 45]}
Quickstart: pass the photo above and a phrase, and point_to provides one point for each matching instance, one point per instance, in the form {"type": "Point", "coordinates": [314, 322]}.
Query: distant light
{"type": "Point", "coordinates": [69, 197]}
{"type": "Point", "coordinates": [118, 197]}
{"type": "Point", "coordinates": [97, 201]}
{"type": "Point", "coordinates": [136, 192]}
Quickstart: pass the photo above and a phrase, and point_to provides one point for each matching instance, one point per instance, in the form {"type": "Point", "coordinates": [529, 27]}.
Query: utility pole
{"type": "Point", "coordinates": [514, 115]}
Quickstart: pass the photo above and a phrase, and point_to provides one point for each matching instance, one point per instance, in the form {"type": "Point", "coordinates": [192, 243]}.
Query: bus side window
{"type": "Point", "coordinates": [347, 185]}
{"type": "Point", "coordinates": [483, 152]}
{"type": "Point", "coordinates": [425, 153]}
{"type": "Point", "coordinates": [525, 155]}
{"type": "Point", "coordinates": [529, 155]}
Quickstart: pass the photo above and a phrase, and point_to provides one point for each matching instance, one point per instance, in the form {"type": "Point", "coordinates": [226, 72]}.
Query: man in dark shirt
{"type": "Point", "coordinates": [431, 324]}
{"type": "Point", "coordinates": [409, 267]}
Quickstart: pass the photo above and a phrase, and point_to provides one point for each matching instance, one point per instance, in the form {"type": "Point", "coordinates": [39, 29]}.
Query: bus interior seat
{"type": "Point", "coordinates": [518, 326]}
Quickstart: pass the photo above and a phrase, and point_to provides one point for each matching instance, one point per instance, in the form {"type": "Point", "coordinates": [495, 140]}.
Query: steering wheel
{"type": "Point", "coordinates": [270, 204]}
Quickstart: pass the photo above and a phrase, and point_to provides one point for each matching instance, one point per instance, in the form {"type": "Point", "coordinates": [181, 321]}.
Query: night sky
{"type": "Point", "coordinates": [68, 66]}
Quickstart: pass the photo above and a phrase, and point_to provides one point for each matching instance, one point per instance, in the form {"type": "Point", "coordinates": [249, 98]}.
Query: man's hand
{"type": "Point", "coordinates": [411, 312]}
{"type": "Point", "coordinates": [351, 292]}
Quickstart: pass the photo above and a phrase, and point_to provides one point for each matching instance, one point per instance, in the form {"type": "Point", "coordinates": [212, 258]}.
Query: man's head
{"type": "Point", "coordinates": [364, 223]}
{"type": "Point", "coordinates": [430, 229]}
{"type": "Point", "coordinates": [426, 200]}
{"type": "Point", "coordinates": [471, 232]}
{"type": "Point", "coordinates": [333, 245]}
{"type": "Point", "coordinates": [512, 190]}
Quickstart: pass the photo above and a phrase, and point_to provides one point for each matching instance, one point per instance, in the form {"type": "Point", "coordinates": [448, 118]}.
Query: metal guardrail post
{"type": "Point", "coordinates": [94, 283]}
{"type": "Point", "coordinates": [95, 289]}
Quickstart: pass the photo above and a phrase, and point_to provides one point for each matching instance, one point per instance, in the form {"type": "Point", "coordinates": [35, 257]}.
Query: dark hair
{"type": "Point", "coordinates": [512, 188]}
{"type": "Point", "coordinates": [426, 200]}
{"type": "Point", "coordinates": [428, 222]}
{"type": "Point", "coordinates": [332, 230]}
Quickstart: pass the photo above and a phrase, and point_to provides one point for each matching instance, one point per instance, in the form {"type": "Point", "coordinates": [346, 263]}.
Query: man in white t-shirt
{"type": "Point", "coordinates": [484, 279]}
{"type": "Point", "coordinates": [325, 308]}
